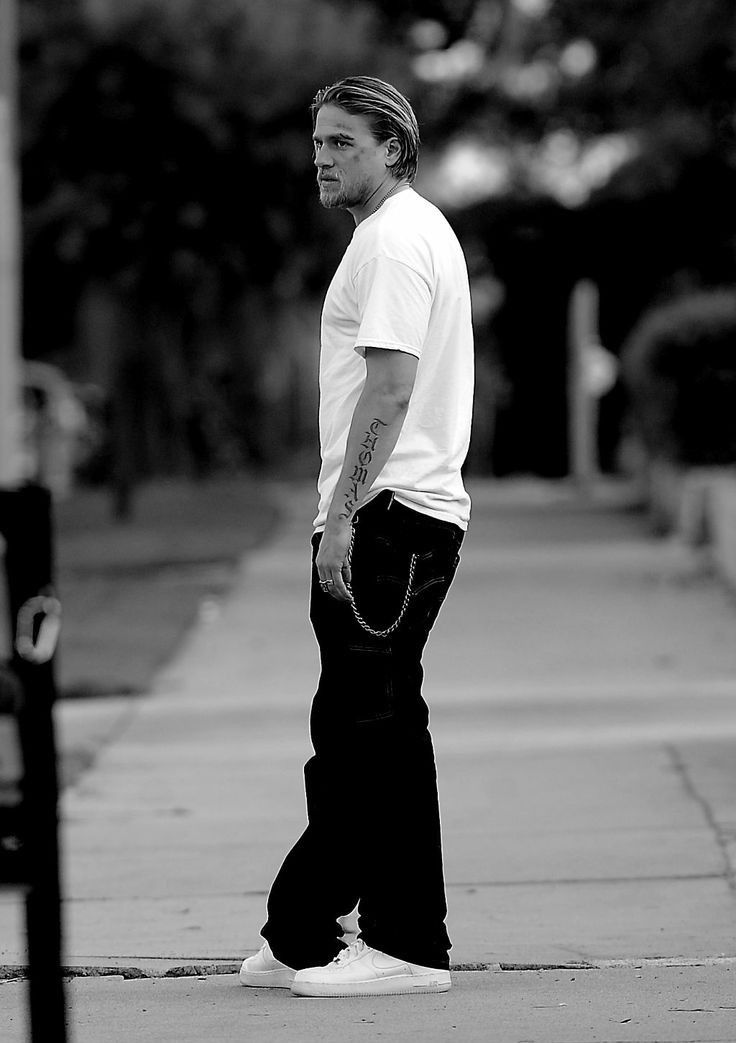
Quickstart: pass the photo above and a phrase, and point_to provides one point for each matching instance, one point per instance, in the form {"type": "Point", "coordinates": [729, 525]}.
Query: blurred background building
{"type": "Point", "coordinates": [175, 254]}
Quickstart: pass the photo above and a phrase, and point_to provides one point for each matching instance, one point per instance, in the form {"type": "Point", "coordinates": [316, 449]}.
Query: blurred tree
{"type": "Point", "coordinates": [580, 139]}
{"type": "Point", "coordinates": [175, 250]}
{"type": "Point", "coordinates": [524, 68]}
{"type": "Point", "coordinates": [169, 202]}
{"type": "Point", "coordinates": [657, 64]}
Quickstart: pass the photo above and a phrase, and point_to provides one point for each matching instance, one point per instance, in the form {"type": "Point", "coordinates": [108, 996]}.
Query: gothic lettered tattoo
{"type": "Point", "coordinates": [359, 476]}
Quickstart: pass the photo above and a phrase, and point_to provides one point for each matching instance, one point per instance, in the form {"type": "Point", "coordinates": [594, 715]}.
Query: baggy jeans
{"type": "Point", "coordinates": [373, 836]}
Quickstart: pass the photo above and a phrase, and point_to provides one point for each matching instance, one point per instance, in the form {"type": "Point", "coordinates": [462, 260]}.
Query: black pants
{"type": "Point", "coordinates": [373, 836]}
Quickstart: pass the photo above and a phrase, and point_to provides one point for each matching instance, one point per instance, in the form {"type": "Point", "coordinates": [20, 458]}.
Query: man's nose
{"type": "Point", "coordinates": [322, 157]}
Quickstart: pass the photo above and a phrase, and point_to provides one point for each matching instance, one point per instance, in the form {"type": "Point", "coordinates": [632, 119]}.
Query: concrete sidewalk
{"type": "Point", "coordinates": [645, 1005]}
{"type": "Point", "coordinates": [583, 698]}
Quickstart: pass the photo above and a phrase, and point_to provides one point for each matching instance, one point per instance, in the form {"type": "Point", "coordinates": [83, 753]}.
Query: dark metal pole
{"type": "Point", "coordinates": [26, 525]}
{"type": "Point", "coordinates": [29, 562]}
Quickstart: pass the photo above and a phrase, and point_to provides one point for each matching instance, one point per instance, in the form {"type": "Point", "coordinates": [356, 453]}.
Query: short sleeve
{"type": "Point", "coordinates": [394, 303]}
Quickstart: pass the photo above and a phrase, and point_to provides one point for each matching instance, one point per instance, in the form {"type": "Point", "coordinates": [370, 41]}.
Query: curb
{"type": "Point", "coordinates": [128, 971]}
{"type": "Point", "coordinates": [198, 970]}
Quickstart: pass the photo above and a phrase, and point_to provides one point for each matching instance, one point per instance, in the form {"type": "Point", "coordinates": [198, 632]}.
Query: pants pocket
{"type": "Point", "coordinates": [433, 576]}
{"type": "Point", "coordinates": [380, 578]}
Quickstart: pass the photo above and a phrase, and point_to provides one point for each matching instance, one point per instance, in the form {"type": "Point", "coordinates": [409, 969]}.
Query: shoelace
{"type": "Point", "coordinates": [354, 949]}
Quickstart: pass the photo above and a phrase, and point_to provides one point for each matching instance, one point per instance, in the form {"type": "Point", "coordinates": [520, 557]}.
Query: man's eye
{"type": "Point", "coordinates": [342, 144]}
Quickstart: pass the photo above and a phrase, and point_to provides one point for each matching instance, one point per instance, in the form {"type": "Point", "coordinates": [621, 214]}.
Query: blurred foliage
{"type": "Point", "coordinates": [680, 366]}
{"type": "Point", "coordinates": [168, 149]}
{"type": "Point", "coordinates": [663, 68]}
{"type": "Point", "coordinates": [655, 59]}
{"type": "Point", "coordinates": [168, 185]}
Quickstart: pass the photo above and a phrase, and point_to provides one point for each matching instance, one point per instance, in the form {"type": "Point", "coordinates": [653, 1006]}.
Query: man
{"type": "Point", "coordinates": [396, 384]}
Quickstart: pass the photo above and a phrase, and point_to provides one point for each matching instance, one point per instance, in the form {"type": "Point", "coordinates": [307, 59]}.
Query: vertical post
{"type": "Point", "coordinates": [10, 435]}
{"type": "Point", "coordinates": [26, 525]}
{"type": "Point", "coordinates": [582, 402]}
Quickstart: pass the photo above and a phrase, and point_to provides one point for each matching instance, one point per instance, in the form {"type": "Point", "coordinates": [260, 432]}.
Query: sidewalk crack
{"type": "Point", "coordinates": [720, 835]}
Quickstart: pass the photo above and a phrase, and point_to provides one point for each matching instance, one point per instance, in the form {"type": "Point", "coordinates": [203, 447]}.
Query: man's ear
{"type": "Point", "coordinates": [393, 151]}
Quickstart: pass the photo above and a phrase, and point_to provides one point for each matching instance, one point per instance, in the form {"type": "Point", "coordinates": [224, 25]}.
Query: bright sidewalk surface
{"type": "Point", "coordinates": [583, 694]}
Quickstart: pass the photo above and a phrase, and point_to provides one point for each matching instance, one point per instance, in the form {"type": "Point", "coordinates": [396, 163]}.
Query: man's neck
{"type": "Point", "coordinates": [376, 200]}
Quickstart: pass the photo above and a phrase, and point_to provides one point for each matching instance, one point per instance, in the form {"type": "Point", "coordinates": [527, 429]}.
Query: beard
{"type": "Point", "coordinates": [333, 195]}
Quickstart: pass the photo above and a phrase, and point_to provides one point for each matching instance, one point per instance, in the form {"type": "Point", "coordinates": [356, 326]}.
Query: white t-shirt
{"type": "Point", "coordinates": [402, 284]}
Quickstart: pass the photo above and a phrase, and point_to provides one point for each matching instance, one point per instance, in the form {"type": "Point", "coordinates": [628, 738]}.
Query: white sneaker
{"type": "Point", "coordinates": [362, 971]}
{"type": "Point", "coordinates": [264, 971]}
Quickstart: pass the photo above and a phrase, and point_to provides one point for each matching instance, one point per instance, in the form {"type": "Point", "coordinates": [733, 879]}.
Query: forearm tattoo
{"type": "Point", "coordinates": [357, 480]}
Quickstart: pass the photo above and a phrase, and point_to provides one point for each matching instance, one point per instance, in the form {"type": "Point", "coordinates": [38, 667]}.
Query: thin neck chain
{"type": "Point", "coordinates": [394, 188]}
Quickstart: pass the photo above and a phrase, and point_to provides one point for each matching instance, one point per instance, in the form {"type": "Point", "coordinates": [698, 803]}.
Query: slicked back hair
{"type": "Point", "coordinates": [387, 110]}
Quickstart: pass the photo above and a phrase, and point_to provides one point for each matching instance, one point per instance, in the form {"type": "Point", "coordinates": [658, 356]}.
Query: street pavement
{"type": "Point", "coordinates": [582, 683]}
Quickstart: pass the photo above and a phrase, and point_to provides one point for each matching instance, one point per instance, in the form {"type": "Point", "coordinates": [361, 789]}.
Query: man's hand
{"type": "Point", "coordinates": [332, 564]}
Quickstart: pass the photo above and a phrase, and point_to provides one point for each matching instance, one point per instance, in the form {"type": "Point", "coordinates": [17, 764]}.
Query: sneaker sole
{"type": "Point", "coordinates": [400, 985]}
{"type": "Point", "coordinates": [267, 979]}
